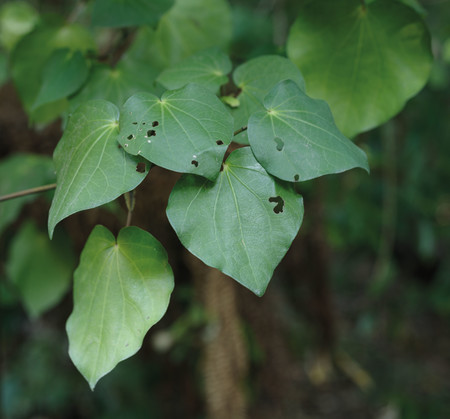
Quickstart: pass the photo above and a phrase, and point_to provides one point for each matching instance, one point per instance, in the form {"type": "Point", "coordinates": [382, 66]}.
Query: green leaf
{"type": "Point", "coordinates": [91, 170]}
{"type": "Point", "coordinates": [372, 62]}
{"type": "Point", "coordinates": [41, 269]}
{"type": "Point", "coordinates": [30, 55]}
{"type": "Point", "coordinates": [18, 172]}
{"type": "Point", "coordinates": [187, 130]}
{"type": "Point", "coordinates": [295, 138]}
{"type": "Point", "coordinates": [116, 84]}
{"type": "Point", "coordinates": [120, 13]}
{"type": "Point", "coordinates": [242, 224]}
{"type": "Point", "coordinates": [121, 289]}
{"type": "Point", "coordinates": [208, 68]}
{"type": "Point", "coordinates": [63, 74]}
{"type": "Point", "coordinates": [189, 26]}
{"type": "Point", "coordinates": [255, 79]}
{"type": "Point", "coordinates": [17, 18]}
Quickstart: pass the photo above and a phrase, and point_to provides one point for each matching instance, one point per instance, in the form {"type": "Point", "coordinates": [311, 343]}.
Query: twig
{"type": "Point", "coordinates": [130, 201]}
{"type": "Point", "coordinates": [27, 192]}
{"type": "Point", "coordinates": [240, 130]}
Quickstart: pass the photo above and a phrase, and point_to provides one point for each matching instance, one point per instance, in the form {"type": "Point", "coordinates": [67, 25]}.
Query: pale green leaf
{"type": "Point", "coordinates": [120, 13]}
{"type": "Point", "coordinates": [242, 224]}
{"type": "Point", "coordinates": [365, 62]}
{"type": "Point", "coordinates": [63, 74]}
{"type": "Point", "coordinates": [19, 172]}
{"type": "Point", "coordinates": [187, 130]}
{"type": "Point", "coordinates": [189, 26]}
{"type": "Point", "coordinates": [17, 18]}
{"type": "Point", "coordinates": [121, 289]}
{"type": "Point", "coordinates": [41, 269]}
{"type": "Point", "coordinates": [255, 79]}
{"type": "Point", "coordinates": [295, 138]}
{"type": "Point", "coordinates": [208, 68]}
{"type": "Point", "coordinates": [91, 169]}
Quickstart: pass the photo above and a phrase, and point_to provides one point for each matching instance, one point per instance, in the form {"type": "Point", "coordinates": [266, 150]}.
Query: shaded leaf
{"type": "Point", "coordinates": [120, 13]}
{"type": "Point", "coordinates": [91, 170]}
{"type": "Point", "coordinates": [116, 84]}
{"type": "Point", "coordinates": [242, 224]}
{"type": "Point", "coordinates": [373, 61]}
{"type": "Point", "coordinates": [208, 68]}
{"type": "Point", "coordinates": [31, 53]}
{"type": "Point", "coordinates": [295, 137]}
{"type": "Point", "coordinates": [255, 79]}
{"type": "Point", "coordinates": [41, 269]}
{"type": "Point", "coordinates": [64, 73]}
{"type": "Point", "coordinates": [121, 289]}
{"type": "Point", "coordinates": [189, 26]}
{"type": "Point", "coordinates": [19, 172]}
{"type": "Point", "coordinates": [187, 130]}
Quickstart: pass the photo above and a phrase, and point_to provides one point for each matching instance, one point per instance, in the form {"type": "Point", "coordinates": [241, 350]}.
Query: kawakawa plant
{"type": "Point", "coordinates": [168, 95]}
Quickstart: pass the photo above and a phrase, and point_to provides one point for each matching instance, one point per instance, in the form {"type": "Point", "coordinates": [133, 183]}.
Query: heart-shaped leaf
{"type": "Point", "coordinates": [295, 137]}
{"type": "Point", "coordinates": [121, 289]}
{"type": "Point", "coordinates": [91, 169]}
{"type": "Point", "coordinates": [187, 130]}
{"type": "Point", "coordinates": [208, 68]}
{"type": "Point", "coordinates": [63, 75]}
{"type": "Point", "coordinates": [242, 224]}
{"type": "Point", "coordinates": [366, 61]}
{"type": "Point", "coordinates": [255, 79]}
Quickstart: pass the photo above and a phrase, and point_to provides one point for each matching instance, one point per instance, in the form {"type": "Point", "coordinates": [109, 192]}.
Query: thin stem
{"type": "Point", "coordinates": [27, 192]}
{"type": "Point", "coordinates": [240, 130]}
{"type": "Point", "coordinates": [130, 201]}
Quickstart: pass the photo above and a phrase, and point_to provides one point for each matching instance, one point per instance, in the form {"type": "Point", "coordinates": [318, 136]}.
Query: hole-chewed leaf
{"type": "Point", "coordinates": [232, 223]}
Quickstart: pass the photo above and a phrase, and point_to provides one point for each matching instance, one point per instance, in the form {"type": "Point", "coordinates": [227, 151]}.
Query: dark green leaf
{"type": "Point", "coordinates": [208, 68]}
{"type": "Point", "coordinates": [30, 55]}
{"type": "Point", "coordinates": [365, 62]}
{"type": "Point", "coordinates": [120, 13]}
{"type": "Point", "coordinates": [116, 84]}
{"type": "Point", "coordinates": [189, 26]}
{"type": "Point", "coordinates": [295, 137]}
{"type": "Point", "coordinates": [41, 269]}
{"type": "Point", "coordinates": [242, 224]}
{"type": "Point", "coordinates": [19, 172]}
{"type": "Point", "coordinates": [91, 170]}
{"type": "Point", "coordinates": [121, 289]}
{"type": "Point", "coordinates": [187, 130]}
{"type": "Point", "coordinates": [64, 73]}
{"type": "Point", "coordinates": [255, 79]}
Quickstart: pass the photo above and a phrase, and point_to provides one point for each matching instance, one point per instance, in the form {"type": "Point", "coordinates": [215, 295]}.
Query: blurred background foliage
{"type": "Point", "coordinates": [356, 321]}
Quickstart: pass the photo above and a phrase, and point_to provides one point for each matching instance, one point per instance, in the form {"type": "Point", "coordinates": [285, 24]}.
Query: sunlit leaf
{"type": "Point", "coordinates": [242, 224]}
{"type": "Point", "coordinates": [295, 137]}
{"type": "Point", "coordinates": [366, 62]}
{"type": "Point", "coordinates": [120, 13]}
{"type": "Point", "coordinates": [19, 172]}
{"type": "Point", "coordinates": [187, 130]}
{"type": "Point", "coordinates": [63, 74]}
{"type": "Point", "coordinates": [255, 79]}
{"type": "Point", "coordinates": [91, 170]}
{"type": "Point", "coordinates": [41, 269]}
{"type": "Point", "coordinates": [121, 289]}
{"type": "Point", "coordinates": [208, 68]}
